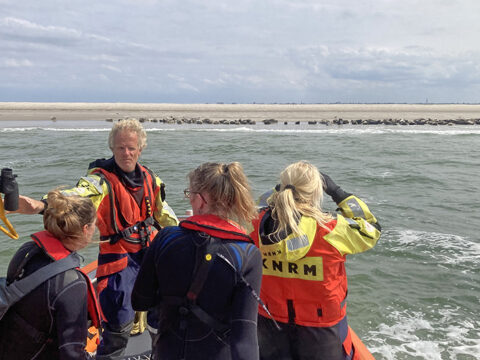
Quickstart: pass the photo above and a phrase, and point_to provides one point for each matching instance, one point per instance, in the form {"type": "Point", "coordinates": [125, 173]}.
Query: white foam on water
{"type": "Point", "coordinates": [166, 129]}
{"type": "Point", "coordinates": [200, 129]}
{"type": "Point", "coordinates": [435, 131]}
{"type": "Point", "coordinates": [19, 129]}
{"type": "Point", "coordinates": [77, 129]}
{"type": "Point", "coordinates": [399, 339]}
{"type": "Point", "coordinates": [411, 335]}
{"type": "Point", "coordinates": [444, 248]}
{"type": "Point", "coordinates": [54, 129]}
{"type": "Point", "coordinates": [340, 130]}
{"type": "Point", "coordinates": [302, 129]}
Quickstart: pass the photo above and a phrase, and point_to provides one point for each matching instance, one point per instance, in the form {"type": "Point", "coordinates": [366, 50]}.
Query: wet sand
{"type": "Point", "coordinates": [11, 111]}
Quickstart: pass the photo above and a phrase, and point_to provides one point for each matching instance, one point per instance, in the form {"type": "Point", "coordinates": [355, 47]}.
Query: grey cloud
{"type": "Point", "coordinates": [388, 65]}
{"type": "Point", "coordinates": [17, 29]}
{"type": "Point", "coordinates": [23, 30]}
{"type": "Point", "coordinates": [266, 50]}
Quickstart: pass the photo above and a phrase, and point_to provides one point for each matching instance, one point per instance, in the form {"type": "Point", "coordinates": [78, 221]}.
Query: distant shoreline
{"type": "Point", "coordinates": [19, 111]}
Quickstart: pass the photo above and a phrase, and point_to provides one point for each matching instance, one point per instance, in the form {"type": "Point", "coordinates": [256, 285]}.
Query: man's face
{"type": "Point", "coordinates": [125, 150]}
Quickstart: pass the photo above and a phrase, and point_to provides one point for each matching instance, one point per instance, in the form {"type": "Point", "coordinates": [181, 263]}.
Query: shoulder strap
{"type": "Point", "coordinates": [188, 303]}
{"type": "Point", "coordinates": [10, 294]}
{"type": "Point", "coordinates": [203, 262]}
{"type": "Point", "coordinates": [201, 268]}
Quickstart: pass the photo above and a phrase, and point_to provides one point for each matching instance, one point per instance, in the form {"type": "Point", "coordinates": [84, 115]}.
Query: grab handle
{"type": "Point", "coordinates": [11, 230]}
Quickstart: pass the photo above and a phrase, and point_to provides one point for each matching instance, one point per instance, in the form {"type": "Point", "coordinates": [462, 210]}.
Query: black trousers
{"type": "Point", "coordinates": [114, 341]}
{"type": "Point", "coordinates": [295, 342]}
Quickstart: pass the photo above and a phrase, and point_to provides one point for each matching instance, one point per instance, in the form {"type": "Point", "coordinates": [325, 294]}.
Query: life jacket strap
{"type": "Point", "coordinates": [291, 309]}
{"type": "Point", "coordinates": [142, 228]}
{"type": "Point", "coordinates": [201, 269]}
{"type": "Point", "coordinates": [187, 305]}
{"type": "Point", "coordinates": [203, 316]}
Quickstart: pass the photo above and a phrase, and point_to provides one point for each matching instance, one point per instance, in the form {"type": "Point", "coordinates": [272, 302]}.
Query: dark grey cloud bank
{"type": "Point", "coordinates": [244, 52]}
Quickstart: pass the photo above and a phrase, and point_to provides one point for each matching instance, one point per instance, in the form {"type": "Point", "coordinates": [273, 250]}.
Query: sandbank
{"type": "Point", "coordinates": [18, 111]}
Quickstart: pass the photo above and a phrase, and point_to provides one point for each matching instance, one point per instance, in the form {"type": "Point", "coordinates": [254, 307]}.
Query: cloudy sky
{"type": "Point", "coordinates": [240, 51]}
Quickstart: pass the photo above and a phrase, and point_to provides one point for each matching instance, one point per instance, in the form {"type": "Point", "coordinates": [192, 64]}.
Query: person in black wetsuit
{"type": "Point", "coordinates": [202, 276]}
{"type": "Point", "coordinates": [51, 322]}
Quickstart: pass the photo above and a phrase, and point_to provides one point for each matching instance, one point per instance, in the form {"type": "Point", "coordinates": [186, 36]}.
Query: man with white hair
{"type": "Point", "coordinates": [131, 207]}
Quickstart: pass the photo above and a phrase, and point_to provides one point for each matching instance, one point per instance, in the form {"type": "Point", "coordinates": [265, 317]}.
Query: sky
{"type": "Point", "coordinates": [240, 51]}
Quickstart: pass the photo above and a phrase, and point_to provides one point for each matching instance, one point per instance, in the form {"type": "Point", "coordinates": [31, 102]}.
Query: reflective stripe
{"type": "Point", "coordinates": [169, 210]}
{"type": "Point", "coordinates": [357, 210]}
{"type": "Point", "coordinates": [94, 182]}
{"type": "Point", "coordinates": [297, 243]}
{"type": "Point", "coordinates": [352, 223]}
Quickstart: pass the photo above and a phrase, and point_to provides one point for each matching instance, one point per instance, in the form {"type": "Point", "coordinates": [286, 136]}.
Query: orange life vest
{"type": "Point", "coordinates": [128, 226]}
{"type": "Point", "coordinates": [310, 291]}
{"type": "Point", "coordinates": [55, 249]}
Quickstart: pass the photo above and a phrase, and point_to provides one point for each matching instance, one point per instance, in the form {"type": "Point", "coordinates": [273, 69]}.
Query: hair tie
{"type": "Point", "coordinates": [225, 168]}
{"type": "Point", "coordinates": [289, 186]}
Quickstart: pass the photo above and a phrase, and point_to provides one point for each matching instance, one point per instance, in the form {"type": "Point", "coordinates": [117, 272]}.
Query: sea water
{"type": "Point", "coordinates": [416, 295]}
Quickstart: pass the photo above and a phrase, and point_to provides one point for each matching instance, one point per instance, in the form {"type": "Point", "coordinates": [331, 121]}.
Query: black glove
{"type": "Point", "coordinates": [336, 192]}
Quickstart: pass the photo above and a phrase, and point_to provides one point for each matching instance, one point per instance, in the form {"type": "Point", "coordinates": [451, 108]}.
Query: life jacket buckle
{"type": "Point", "coordinates": [143, 232]}
{"type": "Point", "coordinates": [183, 311]}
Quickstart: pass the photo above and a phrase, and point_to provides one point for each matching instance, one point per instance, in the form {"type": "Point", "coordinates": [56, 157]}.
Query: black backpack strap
{"type": "Point", "coordinates": [220, 327]}
{"type": "Point", "coordinates": [20, 288]}
{"type": "Point", "coordinates": [203, 261]}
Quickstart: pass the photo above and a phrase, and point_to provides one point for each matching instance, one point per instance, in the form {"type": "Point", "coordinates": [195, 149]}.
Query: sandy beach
{"type": "Point", "coordinates": [18, 111]}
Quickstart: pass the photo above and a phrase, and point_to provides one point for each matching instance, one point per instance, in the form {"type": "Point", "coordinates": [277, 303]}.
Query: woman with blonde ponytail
{"type": "Point", "coordinates": [304, 249]}
{"type": "Point", "coordinates": [51, 321]}
{"type": "Point", "coordinates": [206, 273]}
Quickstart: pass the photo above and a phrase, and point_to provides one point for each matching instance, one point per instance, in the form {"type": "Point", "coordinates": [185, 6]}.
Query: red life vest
{"type": "Point", "coordinates": [309, 291]}
{"type": "Point", "coordinates": [120, 219]}
{"type": "Point", "coordinates": [55, 249]}
{"type": "Point", "coordinates": [216, 227]}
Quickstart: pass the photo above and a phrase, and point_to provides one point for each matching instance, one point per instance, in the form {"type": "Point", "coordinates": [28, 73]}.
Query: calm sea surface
{"type": "Point", "coordinates": [416, 295]}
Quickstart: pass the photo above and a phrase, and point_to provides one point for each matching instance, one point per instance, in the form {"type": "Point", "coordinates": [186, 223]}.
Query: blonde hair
{"type": "Point", "coordinates": [66, 216]}
{"type": "Point", "coordinates": [132, 125]}
{"type": "Point", "coordinates": [228, 189]}
{"type": "Point", "coordinates": [300, 194]}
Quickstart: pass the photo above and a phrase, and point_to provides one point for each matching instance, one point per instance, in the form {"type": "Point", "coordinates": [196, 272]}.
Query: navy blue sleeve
{"type": "Point", "coordinates": [245, 310]}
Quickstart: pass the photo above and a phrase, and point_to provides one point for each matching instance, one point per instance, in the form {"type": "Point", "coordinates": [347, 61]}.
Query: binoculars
{"type": "Point", "coordinates": [9, 187]}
